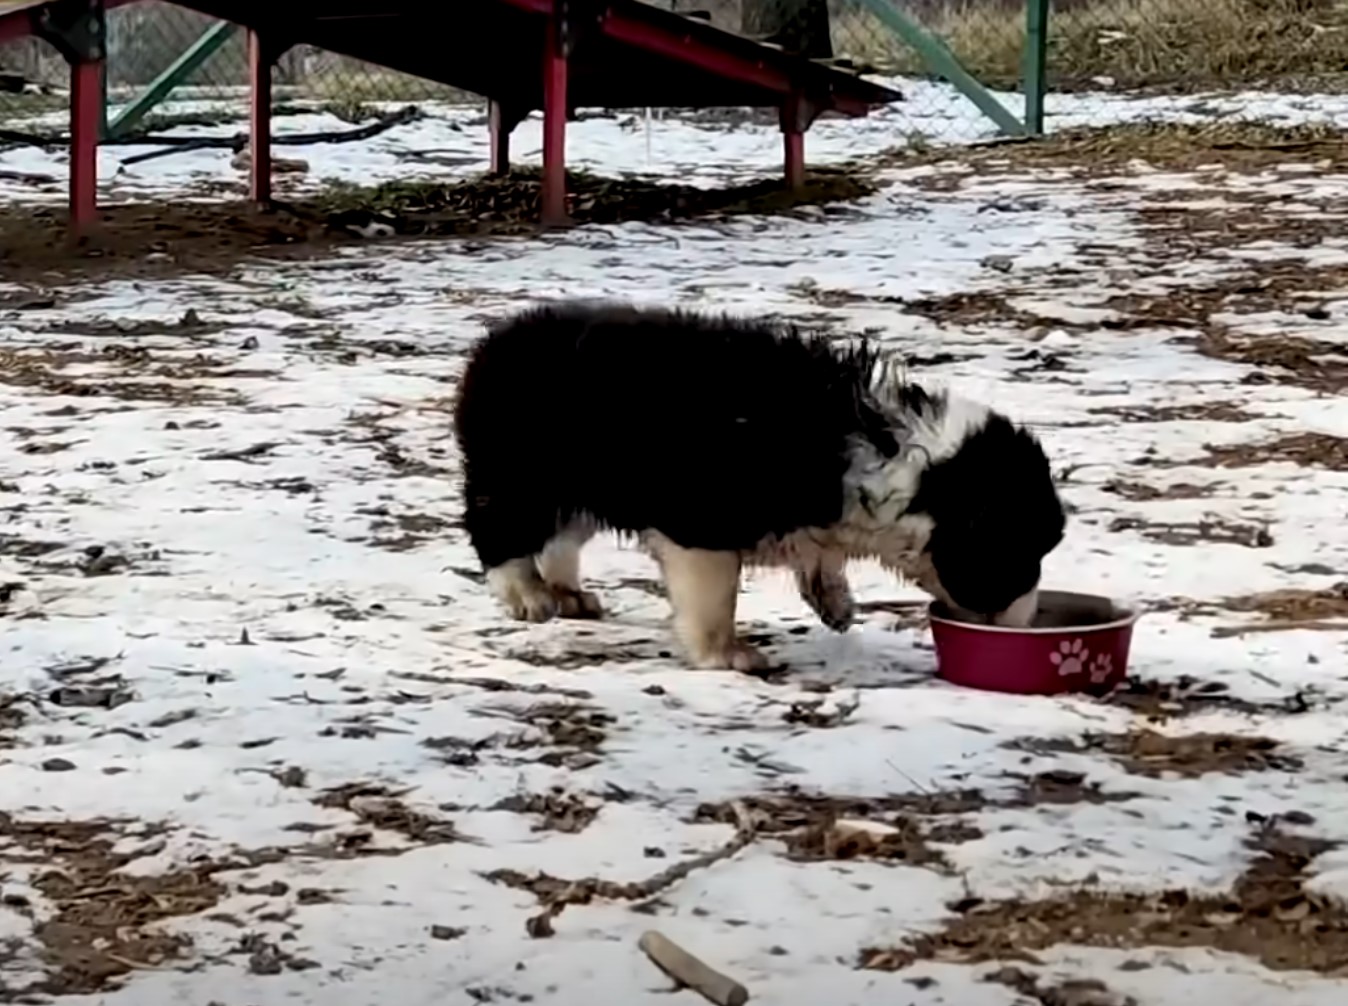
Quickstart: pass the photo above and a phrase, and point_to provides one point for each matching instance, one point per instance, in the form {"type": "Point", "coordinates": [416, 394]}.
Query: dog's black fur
{"type": "Point", "coordinates": [722, 433]}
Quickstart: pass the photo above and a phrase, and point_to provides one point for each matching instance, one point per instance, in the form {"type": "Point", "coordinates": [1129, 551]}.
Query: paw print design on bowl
{"type": "Point", "coordinates": [1071, 657]}
{"type": "Point", "coordinates": [1100, 668]}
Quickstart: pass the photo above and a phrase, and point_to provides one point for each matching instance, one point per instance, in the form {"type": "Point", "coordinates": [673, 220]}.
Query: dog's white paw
{"type": "Point", "coordinates": [737, 656]}
{"type": "Point", "coordinates": [522, 593]}
{"type": "Point", "coordinates": [533, 606]}
{"type": "Point", "coordinates": [577, 603]}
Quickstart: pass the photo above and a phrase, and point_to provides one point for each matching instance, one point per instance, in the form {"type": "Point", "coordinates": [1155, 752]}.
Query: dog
{"type": "Point", "coordinates": [722, 443]}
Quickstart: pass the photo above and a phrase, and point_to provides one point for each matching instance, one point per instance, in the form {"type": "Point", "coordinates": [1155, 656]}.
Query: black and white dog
{"type": "Point", "coordinates": [723, 443]}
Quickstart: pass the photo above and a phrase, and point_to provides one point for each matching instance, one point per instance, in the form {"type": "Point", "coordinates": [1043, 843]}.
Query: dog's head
{"type": "Point", "coordinates": [987, 490]}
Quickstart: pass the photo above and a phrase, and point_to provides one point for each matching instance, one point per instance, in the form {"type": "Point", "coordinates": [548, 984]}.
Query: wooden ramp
{"type": "Point", "coordinates": [523, 55]}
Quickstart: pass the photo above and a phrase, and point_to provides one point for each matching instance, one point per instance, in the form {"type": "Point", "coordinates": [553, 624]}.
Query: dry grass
{"type": "Point", "coordinates": [1175, 44]}
{"type": "Point", "coordinates": [1234, 145]}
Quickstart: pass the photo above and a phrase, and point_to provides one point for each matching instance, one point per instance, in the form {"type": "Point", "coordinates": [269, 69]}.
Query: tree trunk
{"type": "Point", "coordinates": [798, 26]}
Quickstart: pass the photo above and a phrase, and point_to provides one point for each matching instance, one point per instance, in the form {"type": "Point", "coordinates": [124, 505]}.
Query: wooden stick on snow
{"type": "Point", "coordinates": [690, 972]}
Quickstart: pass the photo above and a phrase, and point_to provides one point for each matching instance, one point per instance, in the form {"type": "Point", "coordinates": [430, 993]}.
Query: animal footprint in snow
{"type": "Point", "coordinates": [1100, 668]}
{"type": "Point", "coordinates": [1071, 658]}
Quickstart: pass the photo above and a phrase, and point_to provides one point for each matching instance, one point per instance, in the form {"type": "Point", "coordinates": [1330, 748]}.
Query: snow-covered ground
{"type": "Point", "coordinates": [236, 589]}
{"type": "Point", "coordinates": [452, 140]}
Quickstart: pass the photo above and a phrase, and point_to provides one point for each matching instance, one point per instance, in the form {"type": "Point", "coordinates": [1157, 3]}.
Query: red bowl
{"type": "Point", "coordinates": [1078, 643]}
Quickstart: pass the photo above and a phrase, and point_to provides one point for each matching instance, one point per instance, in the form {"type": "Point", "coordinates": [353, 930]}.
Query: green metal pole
{"type": "Point", "coordinates": [162, 86]}
{"type": "Point", "coordinates": [103, 101]}
{"type": "Point", "coordinates": [1036, 64]}
{"type": "Point", "coordinates": [943, 62]}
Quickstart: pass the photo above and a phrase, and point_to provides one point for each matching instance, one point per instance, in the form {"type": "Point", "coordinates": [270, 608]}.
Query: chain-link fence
{"type": "Point", "coordinates": [147, 39]}
{"type": "Point", "coordinates": [1101, 54]}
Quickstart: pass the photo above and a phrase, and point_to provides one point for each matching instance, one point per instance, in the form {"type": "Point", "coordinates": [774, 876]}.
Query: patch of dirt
{"type": "Point", "coordinates": [1294, 605]}
{"type": "Point", "coordinates": [899, 828]}
{"type": "Point", "coordinates": [1158, 701]}
{"type": "Point", "coordinates": [1143, 492]}
{"type": "Point", "coordinates": [12, 717]}
{"type": "Point", "coordinates": [148, 240]}
{"type": "Point", "coordinates": [1061, 787]}
{"type": "Point", "coordinates": [1154, 755]}
{"type": "Point", "coordinates": [401, 532]}
{"type": "Point", "coordinates": [188, 325]}
{"type": "Point", "coordinates": [556, 810]}
{"type": "Point", "coordinates": [1267, 916]}
{"type": "Point", "coordinates": [1284, 610]}
{"type": "Point", "coordinates": [1093, 151]}
{"type": "Point", "coordinates": [555, 893]}
{"type": "Point", "coordinates": [572, 732]}
{"type": "Point", "coordinates": [1214, 530]}
{"type": "Point", "coordinates": [1308, 450]}
{"type": "Point", "coordinates": [510, 204]}
{"type": "Point", "coordinates": [128, 373]}
{"type": "Point", "coordinates": [379, 807]}
{"type": "Point", "coordinates": [1073, 992]}
{"type": "Point", "coordinates": [570, 727]}
{"type": "Point", "coordinates": [267, 958]}
{"type": "Point", "coordinates": [103, 922]}
{"type": "Point", "coordinates": [1283, 358]}
{"type": "Point", "coordinates": [1209, 412]}
{"type": "Point", "coordinates": [167, 239]}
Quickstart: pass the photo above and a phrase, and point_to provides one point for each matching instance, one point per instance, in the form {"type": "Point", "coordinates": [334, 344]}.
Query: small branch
{"type": "Point", "coordinates": [200, 144]}
{"type": "Point", "coordinates": [690, 972]}
{"type": "Point", "coordinates": [179, 144]}
{"type": "Point", "coordinates": [582, 892]}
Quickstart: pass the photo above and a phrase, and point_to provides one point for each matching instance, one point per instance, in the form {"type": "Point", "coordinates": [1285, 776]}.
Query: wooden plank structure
{"type": "Point", "coordinates": [523, 55]}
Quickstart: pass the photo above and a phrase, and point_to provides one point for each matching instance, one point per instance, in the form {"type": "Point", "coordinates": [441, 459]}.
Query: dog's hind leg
{"type": "Point", "coordinates": [702, 587]}
{"type": "Point", "coordinates": [559, 565]}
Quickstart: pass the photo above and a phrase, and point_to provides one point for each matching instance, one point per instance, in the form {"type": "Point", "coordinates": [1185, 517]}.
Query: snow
{"type": "Point", "coordinates": [313, 603]}
{"type": "Point", "coordinates": [451, 141]}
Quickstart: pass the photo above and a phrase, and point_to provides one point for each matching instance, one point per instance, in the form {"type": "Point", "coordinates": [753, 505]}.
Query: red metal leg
{"type": "Point", "coordinates": [259, 136]}
{"type": "Point", "coordinates": [795, 160]}
{"type": "Point", "coordinates": [86, 116]}
{"type": "Point", "coordinates": [554, 134]}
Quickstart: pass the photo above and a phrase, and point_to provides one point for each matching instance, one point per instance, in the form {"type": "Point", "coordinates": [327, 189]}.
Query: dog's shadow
{"type": "Point", "coordinates": [799, 654]}
{"type": "Point", "coordinates": [866, 656]}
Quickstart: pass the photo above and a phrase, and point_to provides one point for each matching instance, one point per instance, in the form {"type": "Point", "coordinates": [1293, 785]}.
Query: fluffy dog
{"type": "Point", "coordinates": [722, 443]}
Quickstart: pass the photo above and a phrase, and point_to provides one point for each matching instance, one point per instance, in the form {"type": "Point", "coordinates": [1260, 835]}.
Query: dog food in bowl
{"type": "Point", "coordinates": [1078, 643]}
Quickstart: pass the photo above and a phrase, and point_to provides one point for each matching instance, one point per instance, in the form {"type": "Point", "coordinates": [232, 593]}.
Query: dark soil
{"type": "Point", "coordinates": [1267, 915]}
{"type": "Point", "coordinates": [156, 240]}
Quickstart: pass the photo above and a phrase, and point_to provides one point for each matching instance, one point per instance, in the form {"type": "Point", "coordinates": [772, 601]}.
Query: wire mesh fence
{"type": "Point", "coordinates": [146, 39]}
{"type": "Point", "coordinates": [1099, 52]}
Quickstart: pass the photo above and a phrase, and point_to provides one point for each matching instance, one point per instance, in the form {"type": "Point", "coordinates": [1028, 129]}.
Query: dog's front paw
{"type": "Point", "coordinates": [735, 656]}
{"type": "Point", "coordinates": [521, 593]}
{"type": "Point", "coordinates": [577, 603]}
{"type": "Point", "coordinates": [532, 606]}
{"type": "Point", "coordinates": [830, 597]}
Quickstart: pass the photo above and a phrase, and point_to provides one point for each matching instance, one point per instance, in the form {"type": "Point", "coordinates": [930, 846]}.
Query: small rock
{"type": "Point", "coordinates": [447, 932]}
{"type": "Point", "coordinates": [58, 765]}
{"type": "Point", "coordinates": [1001, 263]}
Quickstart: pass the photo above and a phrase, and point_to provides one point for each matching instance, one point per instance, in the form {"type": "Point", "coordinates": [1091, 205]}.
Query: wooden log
{"type": "Point", "coordinates": [690, 972]}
